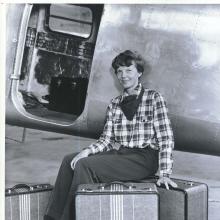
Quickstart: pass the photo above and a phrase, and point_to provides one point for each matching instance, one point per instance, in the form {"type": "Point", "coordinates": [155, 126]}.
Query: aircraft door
{"type": "Point", "coordinates": [53, 61]}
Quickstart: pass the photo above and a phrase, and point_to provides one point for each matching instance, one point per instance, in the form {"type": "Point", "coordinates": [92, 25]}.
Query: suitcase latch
{"type": "Point", "coordinates": [87, 190]}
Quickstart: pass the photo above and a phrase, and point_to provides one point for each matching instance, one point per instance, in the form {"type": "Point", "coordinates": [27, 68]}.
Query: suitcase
{"type": "Point", "coordinates": [189, 201]}
{"type": "Point", "coordinates": [25, 202]}
{"type": "Point", "coordinates": [67, 95]}
{"type": "Point", "coordinates": [117, 201]}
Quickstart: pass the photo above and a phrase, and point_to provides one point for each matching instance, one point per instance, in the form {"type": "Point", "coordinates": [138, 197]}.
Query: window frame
{"type": "Point", "coordinates": [66, 33]}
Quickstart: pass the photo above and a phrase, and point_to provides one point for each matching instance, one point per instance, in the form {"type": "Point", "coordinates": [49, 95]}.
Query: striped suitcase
{"type": "Point", "coordinates": [189, 201]}
{"type": "Point", "coordinates": [117, 201]}
{"type": "Point", "coordinates": [25, 202]}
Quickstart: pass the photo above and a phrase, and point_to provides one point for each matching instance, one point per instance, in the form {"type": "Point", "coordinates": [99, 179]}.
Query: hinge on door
{"type": "Point", "coordinates": [16, 77]}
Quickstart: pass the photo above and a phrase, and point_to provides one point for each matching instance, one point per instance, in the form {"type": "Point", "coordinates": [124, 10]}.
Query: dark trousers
{"type": "Point", "coordinates": [125, 164]}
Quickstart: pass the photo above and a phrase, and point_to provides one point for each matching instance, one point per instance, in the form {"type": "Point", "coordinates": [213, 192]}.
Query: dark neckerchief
{"type": "Point", "coordinates": [130, 104]}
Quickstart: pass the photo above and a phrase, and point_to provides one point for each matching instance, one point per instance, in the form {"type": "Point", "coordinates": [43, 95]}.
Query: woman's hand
{"type": "Point", "coordinates": [166, 181]}
{"type": "Point", "coordinates": [82, 154]}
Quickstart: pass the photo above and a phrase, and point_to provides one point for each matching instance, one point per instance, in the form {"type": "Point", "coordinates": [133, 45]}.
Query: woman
{"type": "Point", "coordinates": [137, 139]}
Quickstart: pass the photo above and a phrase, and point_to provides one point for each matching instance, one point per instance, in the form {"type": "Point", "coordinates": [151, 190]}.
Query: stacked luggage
{"type": "Point", "coordinates": [115, 201]}
{"type": "Point", "coordinates": [67, 95]}
{"type": "Point", "coordinates": [142, 201]}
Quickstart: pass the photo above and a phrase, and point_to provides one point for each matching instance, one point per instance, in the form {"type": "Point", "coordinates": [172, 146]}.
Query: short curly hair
{"type": "Point", "coordinates": [127, 58]}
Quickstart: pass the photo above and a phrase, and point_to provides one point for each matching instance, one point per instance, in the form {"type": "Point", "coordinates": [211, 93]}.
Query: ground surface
{"type": "Point", "coordinates": [37, 160]}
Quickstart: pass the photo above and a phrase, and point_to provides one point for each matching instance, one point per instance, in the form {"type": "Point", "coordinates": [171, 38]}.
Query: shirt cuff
{"type": "Point", "coordinates": [165, 175]}
{"type": "Point", "coordinates": [91, 147]}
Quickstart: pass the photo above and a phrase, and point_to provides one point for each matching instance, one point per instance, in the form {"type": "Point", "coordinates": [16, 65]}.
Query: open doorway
{"type": "Point", "coordinates": [57, 60]}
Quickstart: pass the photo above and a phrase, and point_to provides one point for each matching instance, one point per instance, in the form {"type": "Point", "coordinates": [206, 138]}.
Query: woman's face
{"type": "Point", "coordinates": [128, 76]}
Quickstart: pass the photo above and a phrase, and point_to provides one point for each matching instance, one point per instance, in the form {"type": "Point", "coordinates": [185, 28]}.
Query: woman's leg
{"type": "Point", "coordinates": [126, 164]}
{"type": "Point", "coordinates": [61, 189]}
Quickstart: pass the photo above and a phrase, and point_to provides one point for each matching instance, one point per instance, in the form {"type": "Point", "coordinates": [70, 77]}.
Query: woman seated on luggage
{"type": "Point", "coordinates": [137, 139]}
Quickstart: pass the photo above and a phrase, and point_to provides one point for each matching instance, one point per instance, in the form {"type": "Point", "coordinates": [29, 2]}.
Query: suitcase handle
{"type": "Point", "coordinates": [115, 182]}
{"type": "Point", "coordinates": [20, 186]}
{"type": "Point", "coordinates": [25, 188]}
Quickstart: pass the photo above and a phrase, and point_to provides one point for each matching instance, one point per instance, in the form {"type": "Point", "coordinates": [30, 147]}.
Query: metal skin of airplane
{"type": "Point", "coordinates": [181, 44]}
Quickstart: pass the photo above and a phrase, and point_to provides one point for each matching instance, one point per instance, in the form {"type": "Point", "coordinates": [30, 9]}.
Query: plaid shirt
{"type": "Point", "coordinates": [150, 127]}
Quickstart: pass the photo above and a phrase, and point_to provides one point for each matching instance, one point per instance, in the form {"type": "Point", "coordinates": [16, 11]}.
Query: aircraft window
{"type": "Point", "coordinates": [71, 19]}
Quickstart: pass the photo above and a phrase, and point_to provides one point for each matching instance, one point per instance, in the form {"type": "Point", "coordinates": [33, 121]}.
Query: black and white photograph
{"type": "Point", "coordinates": [112, 111]}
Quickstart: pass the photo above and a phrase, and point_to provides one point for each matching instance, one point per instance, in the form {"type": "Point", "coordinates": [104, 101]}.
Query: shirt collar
{"type": "Point", "coordinates": [137, 91]}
